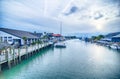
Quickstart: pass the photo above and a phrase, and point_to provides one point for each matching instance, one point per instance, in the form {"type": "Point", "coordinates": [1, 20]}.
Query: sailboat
{"type": "Point", "coordinates": [60, 44]}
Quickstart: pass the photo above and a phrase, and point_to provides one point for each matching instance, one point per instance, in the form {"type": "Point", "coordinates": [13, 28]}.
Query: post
{"type": "Point", "coordinates": [9, 63]}
{"type": "Point", "coordinates": [26, 51]}
{"type": "Point", "coordinates": [0, 68]}
{"type": "Point", "coordinates": [19, 55]}
{"type": "Point", "coordinates": [14, 56]}
{"type": "Point", "coordinates": [0, 64]}
{"type": "Point", "coordinates": [32, 51]}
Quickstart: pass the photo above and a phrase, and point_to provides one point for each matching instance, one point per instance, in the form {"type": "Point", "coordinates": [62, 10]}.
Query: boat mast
{"type": "Point", "coordinates": [118, 8]}
{"type": "Point", "coordinates": [61, 27]}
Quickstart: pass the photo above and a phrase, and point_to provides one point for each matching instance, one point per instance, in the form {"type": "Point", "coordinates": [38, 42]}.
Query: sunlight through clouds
{"type": "Point", "coordinates": [80, 15]}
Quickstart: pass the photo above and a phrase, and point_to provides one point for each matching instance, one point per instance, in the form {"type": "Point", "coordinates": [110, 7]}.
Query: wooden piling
{"type": "Point", "coordinates": [0, 67]}
{"type": "Point", "coordinates": [26, 52]}
{"type": "Point", "coordinates": [19, 56]}
{"type": "Point", "coordinates": [14, 56]}
{"type": "Point", "coordinates": [9, 61]}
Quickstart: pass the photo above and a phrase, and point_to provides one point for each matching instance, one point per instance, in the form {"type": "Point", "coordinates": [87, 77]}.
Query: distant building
{"type": "Point", "coordinates": [12, 36]}
{"type": "Point", "coordinates": [106, 39]}
{"type": "Point", "coordinates": [116, 38]}
{"type": "Point", "coordinates": [57, 35]}
{"type": "Point", "coordinates": [110, 35]}
{"type": "Point", "coordinates": [50, 34]}
{"type": "Point", "coordinates": [37, 34]}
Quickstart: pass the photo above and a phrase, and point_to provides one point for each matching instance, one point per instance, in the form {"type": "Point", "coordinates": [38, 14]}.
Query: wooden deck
{"type": "Point", "coordinates": [14, 54]}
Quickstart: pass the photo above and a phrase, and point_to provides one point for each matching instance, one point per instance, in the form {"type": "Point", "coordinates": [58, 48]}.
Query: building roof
{"type": "Point", "coordinates": [110, 35]}
{"type": "Point", "coordinates": [49, 34]}
{"type": "Point", "coordinates": [18, 33]}
{"type": "Point", "coordinates": [37, 34]}
{"type": "Point", "coordinates": [57, 35]}
{"type": "Point", "coordinates": [117, 36]}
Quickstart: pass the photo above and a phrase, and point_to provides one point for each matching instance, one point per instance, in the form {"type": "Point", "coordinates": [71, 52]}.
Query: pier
{"type": "Point", "coordinates": [13, 56]}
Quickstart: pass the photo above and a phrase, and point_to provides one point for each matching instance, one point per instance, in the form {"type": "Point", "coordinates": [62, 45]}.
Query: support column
{"type": "Point", "coordinates": [19, 55]}
{"type": "Point", "coordinates": [14, 56]}
{"type": "Point", "coordinates": [9, 61]}
{"type": "Point", "coordinates": [0, 67]}
{"type": "Point", "coordinates": [26, 51]}
{"type": "Point", "coordinates": [32, 51]}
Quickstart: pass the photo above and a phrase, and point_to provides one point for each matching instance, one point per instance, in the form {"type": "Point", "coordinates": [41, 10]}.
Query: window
{"type": "Point", "coordinates": [5, 39]}
{"type": "Point", "coordinates": [9, 38]}
{"type": "Point", "coordinates": [1, 39]}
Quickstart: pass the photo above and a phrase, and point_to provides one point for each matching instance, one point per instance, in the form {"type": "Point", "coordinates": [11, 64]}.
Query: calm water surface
{"type": "Point", "coordinates": [79, 60]}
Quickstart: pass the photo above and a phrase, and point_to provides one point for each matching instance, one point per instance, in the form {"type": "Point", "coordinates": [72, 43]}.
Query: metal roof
{"type": "Point", "coordinates": [116, 36]}
{"type": "Point", "coordinates": [18, 33]}
{"type": "Point", "coordinates": [57, 35]}
{"type": "Point", "coordinates": [37, 34]}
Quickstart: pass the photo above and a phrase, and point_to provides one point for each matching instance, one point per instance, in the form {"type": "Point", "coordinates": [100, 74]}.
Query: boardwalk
{"type": "Point", "coordinates": [14, 55]}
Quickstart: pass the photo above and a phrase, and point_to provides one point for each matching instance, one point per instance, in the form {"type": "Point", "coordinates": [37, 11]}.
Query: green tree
{"type": "Point", "coordinates": [95, 38]}
{"type": "Point", "coordinates": [100, 37]}
{"type": "Point", "coordinates": [25, 39]}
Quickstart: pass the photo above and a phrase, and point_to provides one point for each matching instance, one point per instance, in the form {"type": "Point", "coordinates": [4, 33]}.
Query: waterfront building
{"type": "Point", "coordinates": [39, 35]}
{"type": "Point", "coordinates": [116, 38]}
{"type": "Point", "coordinates": [58, 37]}
{"type": "Point", "coordinates": [12, 36]}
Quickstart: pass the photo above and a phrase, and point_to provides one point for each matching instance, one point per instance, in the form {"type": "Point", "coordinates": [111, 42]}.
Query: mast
{"type": "Point", "coordinates": [61, 27]}
{"type": "Point", "coordinates": [119, 8]}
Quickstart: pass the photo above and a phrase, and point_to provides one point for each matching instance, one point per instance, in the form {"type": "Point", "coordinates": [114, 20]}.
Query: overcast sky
{"type": "Point", "coordinates": [75, 15]}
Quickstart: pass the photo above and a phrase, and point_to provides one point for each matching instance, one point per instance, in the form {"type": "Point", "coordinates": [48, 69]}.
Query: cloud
{"type": "Point", "coordinates": [73, 9]}
{"type": "Point", "coordinates": [45, 15]}
{"type": "Point", "coordinates": [98, 15]}
{"type": "Point", "coordinates": [112, 25]}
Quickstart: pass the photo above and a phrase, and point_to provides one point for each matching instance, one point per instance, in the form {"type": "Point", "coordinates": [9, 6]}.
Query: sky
{"type": "Point", "coordinates": [76, 16]}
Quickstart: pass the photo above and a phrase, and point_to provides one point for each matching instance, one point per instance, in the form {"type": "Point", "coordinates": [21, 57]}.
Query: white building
{"type": "Point", "coordinates": [12, 36]}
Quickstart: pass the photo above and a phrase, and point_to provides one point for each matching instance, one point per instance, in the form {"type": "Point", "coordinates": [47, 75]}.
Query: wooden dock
{"type": "Point", "coordinates": [13, 55]}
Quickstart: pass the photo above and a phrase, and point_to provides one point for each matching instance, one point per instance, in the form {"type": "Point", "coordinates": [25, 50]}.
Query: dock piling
{"type": "Point", "coordinates": [0, 68]}
{"type": "Point", "coordinates": [9, 62]}
{"type": "Point", "coordinates": [19, 56]}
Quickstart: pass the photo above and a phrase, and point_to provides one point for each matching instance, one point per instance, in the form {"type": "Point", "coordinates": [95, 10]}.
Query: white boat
{"type": "Point", "coordinates": [50, 42]}
{"type": "Point", "coordinates": [60, 45]}
{"type": "Point", "coordinates": [107, 45]}
{"type": "Point", "coordinates": [118, 47]}
{"type": "Point", "coordinates": [114, 46]}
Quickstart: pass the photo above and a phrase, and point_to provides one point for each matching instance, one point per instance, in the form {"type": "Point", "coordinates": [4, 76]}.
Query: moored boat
{"type": "Point", "coordinates": [114, 46]}
{"type": "Point", "coordinates": [118, 47]}
{"type": "Point", "coordinates": [60, 45]}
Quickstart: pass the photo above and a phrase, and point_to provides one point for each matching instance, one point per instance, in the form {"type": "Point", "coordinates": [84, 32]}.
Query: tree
{"type": "Point", "coordinates": [94, 37]}
{"type": "Point", "coordinates": [39, 42]}
{"type": "Point", "coordinates": [100, 37]}
{"type": "Point", "coordinates": [25, 39]}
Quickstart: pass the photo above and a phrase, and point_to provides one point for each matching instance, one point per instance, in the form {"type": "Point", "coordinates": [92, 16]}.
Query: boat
{"type": "Point", "coordinates": [107, 45]}
{"type": "Point", "coordinates": [60, 45]}
{"type": "Point", "coordinates": [51, 42]}
{"type": "Point", "coordinates": [114, 46]}
{"type": "Point", "coordinates": [118, 48]}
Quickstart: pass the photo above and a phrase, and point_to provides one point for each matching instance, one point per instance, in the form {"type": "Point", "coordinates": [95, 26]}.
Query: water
{"type": "Point", "coordinates": [78, 61]}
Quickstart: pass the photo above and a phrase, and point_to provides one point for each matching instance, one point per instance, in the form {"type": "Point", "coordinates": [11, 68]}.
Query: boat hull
{"type": "Point", "coordinates": [59, 46]}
